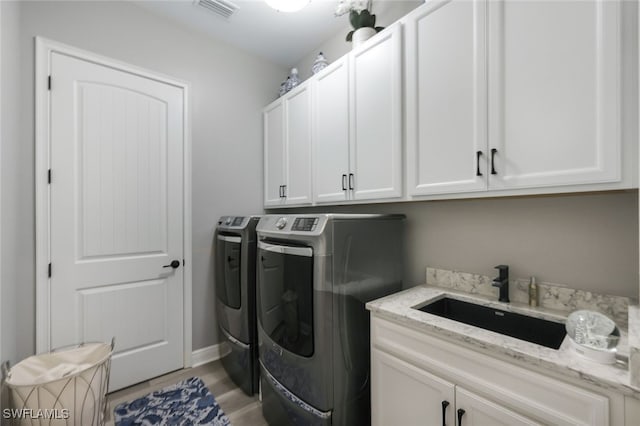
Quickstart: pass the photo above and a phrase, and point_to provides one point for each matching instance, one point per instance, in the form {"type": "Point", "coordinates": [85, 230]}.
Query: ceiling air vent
{"type": "Point", "coordinates": [226, 9]}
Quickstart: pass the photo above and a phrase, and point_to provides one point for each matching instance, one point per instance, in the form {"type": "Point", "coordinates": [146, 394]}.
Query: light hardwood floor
{"type": "Point", "coordinates": [241, 409]}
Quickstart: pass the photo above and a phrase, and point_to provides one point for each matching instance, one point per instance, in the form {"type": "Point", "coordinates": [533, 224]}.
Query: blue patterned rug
{"type": "Point", "coordinates": [186, 403]}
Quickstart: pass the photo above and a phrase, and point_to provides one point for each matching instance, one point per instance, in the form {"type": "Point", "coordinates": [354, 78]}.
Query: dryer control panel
{"type": "Point", "coordinates": [307, 224]}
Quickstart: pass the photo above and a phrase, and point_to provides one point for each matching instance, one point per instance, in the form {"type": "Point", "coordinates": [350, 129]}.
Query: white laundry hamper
{"type": "Point", "coordinates": [67, 386]}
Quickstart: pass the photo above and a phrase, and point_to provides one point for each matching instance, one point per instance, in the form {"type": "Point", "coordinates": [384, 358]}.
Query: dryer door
{"type": "Point", "coordinates": [228, 288]}
{"type": "Point", "coordinates": [294, 322]}
{"type": "Point", "coordinates": [285, 308]}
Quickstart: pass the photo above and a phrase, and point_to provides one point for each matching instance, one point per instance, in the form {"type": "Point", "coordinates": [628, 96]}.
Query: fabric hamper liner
{"type": "Point", "coordinates": [64, 387]}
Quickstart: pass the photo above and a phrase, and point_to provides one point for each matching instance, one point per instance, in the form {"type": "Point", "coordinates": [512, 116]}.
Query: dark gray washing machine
{"type": "Point", "coordinates": [315, 273]}
{"type": "Point", "coordinates": [235, 282]}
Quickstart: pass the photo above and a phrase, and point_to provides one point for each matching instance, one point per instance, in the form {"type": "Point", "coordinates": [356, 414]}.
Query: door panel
{"type": "Point", "coordinates": [274, 145]}
{"type": "Point", "coordinates": [117, 305]}
{"type": "Point", "coordinates": [376, 111]}
{"type": "Point", "coordinates": [446, 98]}
{"type": "Point", "coordinates": [419, 397]}
{"type": "Point", "coordinates": [121, 142]}
{"type": "Point", "coordinates": [331, 133]}
{"type": "Point", "coordinates": [555, 99]}
{"type": "Point", "coordinates": [116, 216]}
{"type": "Point", "coordinates": [298, 151]}
{"type": "Point", "coordinates": [482, 412]}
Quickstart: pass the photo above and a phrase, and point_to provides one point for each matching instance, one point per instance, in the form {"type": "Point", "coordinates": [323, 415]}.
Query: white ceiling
{"type": "Point", "coordinates": [283, 38]}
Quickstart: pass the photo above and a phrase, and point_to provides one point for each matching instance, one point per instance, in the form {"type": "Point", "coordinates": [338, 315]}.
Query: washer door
{"type": "Point", "coordinates": [285, 306]}
{"type": "Point", "coordinates": [228, 287]}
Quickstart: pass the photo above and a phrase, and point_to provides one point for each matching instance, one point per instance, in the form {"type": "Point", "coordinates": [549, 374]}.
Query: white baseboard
{"type": "Point", "coordinates": [208, 354]}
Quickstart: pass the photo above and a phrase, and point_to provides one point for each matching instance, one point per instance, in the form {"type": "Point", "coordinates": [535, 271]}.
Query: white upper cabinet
{"type": "Point", "coordinates": [493, 97]}
{"type": "Point", "coordinates": [358, 123]}
{"type": "Point", "coordinates": [376, 116]}
{"type": "Point", "coordinates": [273, 117]}
{"type": "Point", "coordinates": [297, 188]}
{"type": "Point", "coordinates": [513, 95]}
{"type": "Point", "coordinates": [446, 98]}
{"type": "Point", "coordinates": [331, 133]}
{"type": "Point", "coordinates": [287, 149]}
{"type": "Point", "coordinates": [554, 98]}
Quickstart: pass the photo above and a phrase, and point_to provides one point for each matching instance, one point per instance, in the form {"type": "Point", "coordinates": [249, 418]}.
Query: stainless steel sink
{"type": "Point", "coordinates": [523, 327]}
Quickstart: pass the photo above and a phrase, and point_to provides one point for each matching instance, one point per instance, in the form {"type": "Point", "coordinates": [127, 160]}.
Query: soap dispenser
{"type": "Point", "coordinates": [533, 292]}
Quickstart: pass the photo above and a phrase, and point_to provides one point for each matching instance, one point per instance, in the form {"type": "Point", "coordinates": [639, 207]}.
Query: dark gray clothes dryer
{"type": "Point", "coordinates": [235, 283]}
{"type": "Point", "coordinates": [315, 273]}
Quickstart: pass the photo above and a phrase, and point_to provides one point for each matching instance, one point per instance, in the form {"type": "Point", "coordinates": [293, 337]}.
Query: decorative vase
{"type": "Point", "coordinates": [361, 35]}
{"type": "Point", "coordinates": [319, 64]}
{"type": "Point", "coordinates": [293, 80]}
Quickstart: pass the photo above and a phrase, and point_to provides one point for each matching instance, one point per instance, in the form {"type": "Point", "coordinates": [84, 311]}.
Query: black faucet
{"type": "Point", "coordinates": [502, 282]}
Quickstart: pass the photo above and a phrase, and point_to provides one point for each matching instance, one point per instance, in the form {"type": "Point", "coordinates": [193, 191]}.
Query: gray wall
{"type": "Point", "coordinates": [585, 241]}
{"type": "Point", "coordinates": [228, 90]}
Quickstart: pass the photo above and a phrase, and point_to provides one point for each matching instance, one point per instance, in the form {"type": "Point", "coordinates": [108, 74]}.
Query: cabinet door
{"type": "Point", "coordinates": [298, 148]}
{"type": "Point", "coordinates": [331, 133]}
{"type": "Point", "coordinates": [446, 98]}
{"type": "Point", "coordinates": [376, 116]}
{"type": "Point", "coordinates": [402, 394]}
{"type": "Point", "coordinates": [274, 144]}
{"type": "Point", "coordinates": [554, 103]}
{"type": "Point", "coordinates": [478, 411]}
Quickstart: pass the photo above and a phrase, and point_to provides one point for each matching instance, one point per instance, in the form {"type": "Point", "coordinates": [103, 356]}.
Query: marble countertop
{"type": "Point", "coordinates": [564, 361]}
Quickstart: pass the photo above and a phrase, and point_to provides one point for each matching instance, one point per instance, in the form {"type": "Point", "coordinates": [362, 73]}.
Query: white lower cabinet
{"type": "Point", "coordinates": [472, 409]}
{"type": "Point", "coordinates": [420, 398]}
{"type": "Point", "coordinates": [420, 379]}
{"type": "Point", "coordinates": [404, 394]}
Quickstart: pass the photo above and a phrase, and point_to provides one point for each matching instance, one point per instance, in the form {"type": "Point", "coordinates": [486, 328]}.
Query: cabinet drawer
{"type": "Point", "coordinates": [537, 396]}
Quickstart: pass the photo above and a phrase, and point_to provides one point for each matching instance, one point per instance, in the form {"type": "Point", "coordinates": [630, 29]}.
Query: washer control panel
{"type": "Point", "coordinates": [232, 221]}
{"type": "Point", "coordinates": [306, 224]}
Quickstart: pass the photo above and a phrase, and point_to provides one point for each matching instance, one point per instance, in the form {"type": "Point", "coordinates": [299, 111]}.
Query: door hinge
{"type": "Point", "coordinates": [49, 271]}
{"type": "Point", "coordinates": [49, 83]}
{"type": "Point", "coordinates": [49, 176]}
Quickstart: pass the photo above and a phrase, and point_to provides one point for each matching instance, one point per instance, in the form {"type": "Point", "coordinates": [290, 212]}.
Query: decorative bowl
{"type": "Point", "coordinates": [593, 335]}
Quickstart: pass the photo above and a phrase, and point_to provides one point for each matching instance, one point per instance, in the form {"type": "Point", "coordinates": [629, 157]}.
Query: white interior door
{"type": "Point", "coordinates": [116, 218]}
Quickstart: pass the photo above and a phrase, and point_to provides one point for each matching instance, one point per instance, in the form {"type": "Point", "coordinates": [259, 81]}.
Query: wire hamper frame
{"type": "Point", "coordinates": [76, 399]}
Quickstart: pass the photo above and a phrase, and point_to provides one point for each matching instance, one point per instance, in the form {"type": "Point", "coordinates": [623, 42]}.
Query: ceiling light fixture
{"type": "Point", "coordinates": [287, 5]}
